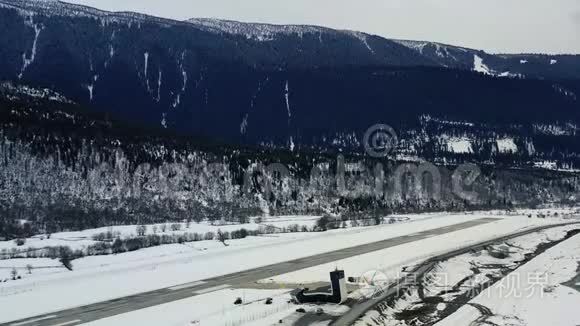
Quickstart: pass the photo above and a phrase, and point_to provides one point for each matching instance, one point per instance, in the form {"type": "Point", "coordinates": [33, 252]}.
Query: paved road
{"type": "Point", "coordinates": [85, 314]}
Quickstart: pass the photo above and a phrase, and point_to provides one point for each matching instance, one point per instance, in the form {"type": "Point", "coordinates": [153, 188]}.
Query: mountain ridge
{"type": "Point", "coordinates": [245, 83]}
{"type": "Point", "coordinates": [70, 9]}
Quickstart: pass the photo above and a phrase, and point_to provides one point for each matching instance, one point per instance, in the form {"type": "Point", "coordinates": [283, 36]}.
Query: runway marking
{"type": "Point", "coordinates": [424, 233]}
{"type": "Point", "coordinates": [68, 322]}
{"type": "Point", "coordinates": [212, 289]}
{"type": "Point", "coordinates": [33, 320]}
{"type": "Point", "coordinates": [185, 286]}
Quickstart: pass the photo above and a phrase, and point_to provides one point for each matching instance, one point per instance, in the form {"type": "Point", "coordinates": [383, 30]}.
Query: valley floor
{"type": "Point", "coordinates": [100, 278]}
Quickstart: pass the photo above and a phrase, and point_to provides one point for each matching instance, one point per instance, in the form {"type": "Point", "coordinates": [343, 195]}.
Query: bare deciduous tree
{"type": "Point", "coordinates": [222, 237]}
{"type": "Point", "coordinates": [141, 230]}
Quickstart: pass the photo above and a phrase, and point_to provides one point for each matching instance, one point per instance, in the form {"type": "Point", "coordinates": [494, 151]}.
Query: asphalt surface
{"type": "Point", "coordinates": [88, 313]}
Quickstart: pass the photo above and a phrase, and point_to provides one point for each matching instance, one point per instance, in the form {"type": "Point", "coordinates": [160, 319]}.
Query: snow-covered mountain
{"type": "Point", "coordinates": [438, 54]}
{"type": "Point", "coordinates": [289, 86]}
{"type": "Point", "coordinates": [380, 50]}
{"type": "Point", "coordinates": [96, 109]}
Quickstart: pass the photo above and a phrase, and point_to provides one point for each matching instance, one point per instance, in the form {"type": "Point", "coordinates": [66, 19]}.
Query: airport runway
{"type": "Point", "coordinates": [85, 314]}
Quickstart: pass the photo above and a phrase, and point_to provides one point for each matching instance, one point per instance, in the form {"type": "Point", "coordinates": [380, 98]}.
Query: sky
{"type": "Point", "coordinates": [497, 26]}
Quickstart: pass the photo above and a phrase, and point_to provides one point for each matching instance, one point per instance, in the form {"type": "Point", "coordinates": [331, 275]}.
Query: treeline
{"type": "Point", "coordinates": [111, 243]}
{"type": "Point", "coordinates": [66, 170]}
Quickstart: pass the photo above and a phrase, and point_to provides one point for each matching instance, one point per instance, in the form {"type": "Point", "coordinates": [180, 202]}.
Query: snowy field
{"type": "Point", "coordinates": [451, 282]}
{"type": "Point", "coordinates": [101, 278]}
{"type": "Point", "coordinates": [533, 295]}
{"type": "Point", "coordinates": [82, 239]}
{"type": "Point", "coordinates": [214, 308]}
{"type": "Point", "coordinates": [217, 308]}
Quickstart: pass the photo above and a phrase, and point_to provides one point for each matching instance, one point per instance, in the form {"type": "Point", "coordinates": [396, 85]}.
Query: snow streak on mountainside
{"type": "Point", "coordinates": [27, 60]}
{"type": "Point", "coordinates": [479, 66]}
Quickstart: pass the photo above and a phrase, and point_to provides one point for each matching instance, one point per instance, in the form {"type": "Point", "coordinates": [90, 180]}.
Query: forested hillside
{"type": "Point", "coordinates": [67, 168]}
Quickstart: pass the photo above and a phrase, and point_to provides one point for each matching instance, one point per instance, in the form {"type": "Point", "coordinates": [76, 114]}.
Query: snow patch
{"type": "Point", "coordinates": [146, 69]}
{"type": "Point", "coordinates": [181, 61]}
{"type": "Point", "coordinates": [479, 66]}
{"type": "Point", "coordinates": [428, 119]}
{"type": "Point", "coordinates": [90, 88]}
{"type": "Point", "coordinates": [292, 146]}
{"type": "Point", "coordinates": [287, 97]}
{"type": "Point", "coordinates": [164, 120]}
{"type": "Point", "coordinates": [553, 61]}
{"type": "Point", "coordinates": [459, 146]}
{"type": "Point", "coordinates": [27, 61]}
{"type": "Point", "coordinates": [547, 165]}
{"type": "Point", "coordinates": [413, 45]}
{"type": "Point", "coordinates": [441, 50]}
{"type": "Point", "coordinates": [159, 86]}
{"type": "Point", "coordinates": [530, 148]}
{"type": "Point", "coordinates": [184, 74]}
{"type": "Point", "coordinates": [507, 145]}
{"type": "Point", "coordinates": [244, 125]}
{"type": "Point", "coordinates": [177, 101]}
{"type": "Point", "coordinates": [510, 75]}
{"type": "Point", "coordinates": [364, 39]}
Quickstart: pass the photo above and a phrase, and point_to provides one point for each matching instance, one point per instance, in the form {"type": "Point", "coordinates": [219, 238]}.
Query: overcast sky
{"type": "Point", "coordinates": [551, 26]}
